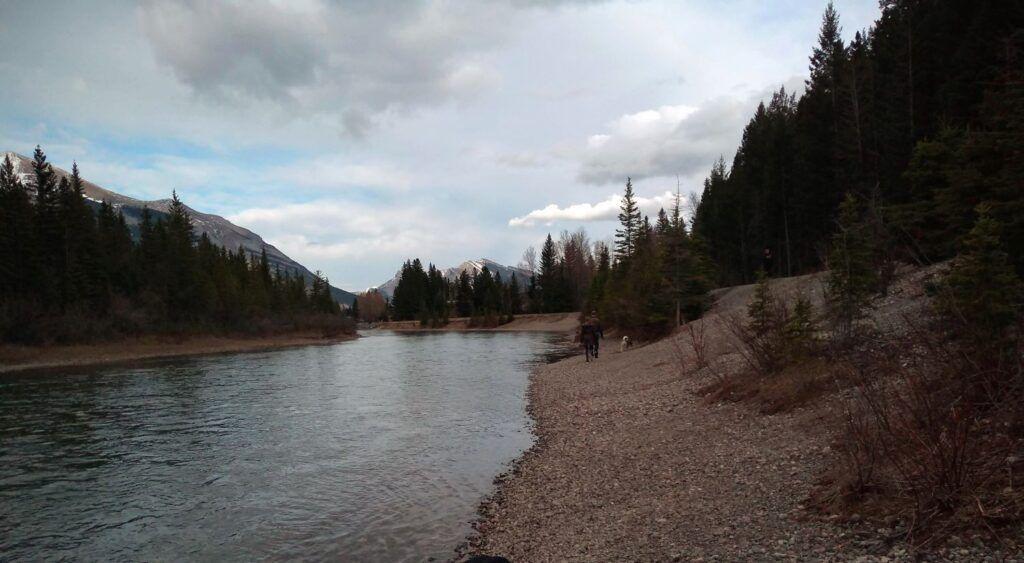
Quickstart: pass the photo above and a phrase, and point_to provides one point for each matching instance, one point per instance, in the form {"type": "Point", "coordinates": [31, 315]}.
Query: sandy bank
{"type": "Point", "coordinates": [21, 358]}
{"type": "Point", "coordinates": [545, 322]}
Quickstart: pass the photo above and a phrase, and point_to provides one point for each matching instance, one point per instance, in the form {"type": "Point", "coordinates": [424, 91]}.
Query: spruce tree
{"type": "Point", "coordinates": [550, 279]}
{"type": "Point", "coordinates": [982, 295]}
{"type": "Point", "coordinates": [515, 296]}
{"type": "Point", "coordinates": [180, 260]}
{"type": "Point", "coordinates": [49, 246]}
{"type": "Point", "coordinates": [629, 218]}
{"type": "Point", "coordinates": [464, 295]}
{"type": "Point", "coordinates": [18, 271]}
{"type": "Point", "coordinates": [852, 278]}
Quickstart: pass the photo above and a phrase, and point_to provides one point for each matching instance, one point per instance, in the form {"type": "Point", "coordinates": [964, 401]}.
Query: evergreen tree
{"type": "Point", "coordinates": [18, 271]}
{"type": "Point", "coordinates": [549, 281]}
{"type": "Point", "coordinates": [49, 245]}
{"type": "Point", "coordinates": [464, 295]}
{"type": "Point", "coordinates": [515, 296]}
{"type": "Point", "coordinates": [852, 278]}
{"type": "Point", "coordinates": [182, 282]}
{"type": "Point", "coordinates": [982, 295]}
{"type": "Point", "coordinates": [629, 218]}
{"type": "Point", "coordinates": [79, 279]}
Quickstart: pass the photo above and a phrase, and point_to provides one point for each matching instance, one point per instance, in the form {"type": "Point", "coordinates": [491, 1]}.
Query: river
{"type": "Point", "coordinates": [377, 449]}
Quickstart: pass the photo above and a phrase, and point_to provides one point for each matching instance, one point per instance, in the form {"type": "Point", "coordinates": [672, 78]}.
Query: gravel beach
{"type": "Point", "coordinates": [632, 464]}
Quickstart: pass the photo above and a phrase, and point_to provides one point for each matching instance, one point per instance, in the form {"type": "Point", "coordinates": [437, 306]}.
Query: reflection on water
{"type": "Point", "coordinates": [376, 449]}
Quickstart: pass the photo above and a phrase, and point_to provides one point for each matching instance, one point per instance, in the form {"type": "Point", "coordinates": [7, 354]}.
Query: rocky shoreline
{"type": "Point", "coordinates": [631, 463]}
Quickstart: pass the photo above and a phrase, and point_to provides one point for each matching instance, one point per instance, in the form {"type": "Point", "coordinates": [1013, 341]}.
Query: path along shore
{"type": "Point", "coordinates": [631, 463]}
{"type": "Point", "coordinates": [23, 358]}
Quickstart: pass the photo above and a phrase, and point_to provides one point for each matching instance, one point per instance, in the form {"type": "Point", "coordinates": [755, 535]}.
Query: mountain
{"type": "Point", "coordinates": [221, 231]}
{"type": "Point", "coordinates": [473, 267]}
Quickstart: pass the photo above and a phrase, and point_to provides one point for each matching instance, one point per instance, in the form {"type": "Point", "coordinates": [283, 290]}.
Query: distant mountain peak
{"type": "Point", "coordinates": [473, 267]}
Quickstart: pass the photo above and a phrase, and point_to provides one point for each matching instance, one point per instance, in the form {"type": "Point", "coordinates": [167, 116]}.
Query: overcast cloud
{"type": "Point", "coordinates": [356, 134]}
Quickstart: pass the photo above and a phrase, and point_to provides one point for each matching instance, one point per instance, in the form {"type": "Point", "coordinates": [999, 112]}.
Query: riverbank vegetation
{"type": "Point", "coordinates": [69, 273]}
{"type": "Point", "coordinates": [427, 296]}
{"type": "Point", "coordinates": [655, 277]}
{"type": "Point", "coordinates": [902, 155]}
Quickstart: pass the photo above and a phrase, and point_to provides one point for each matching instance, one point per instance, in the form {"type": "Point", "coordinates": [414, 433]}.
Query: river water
{"type": "Point", "coordinates": [378, 449]}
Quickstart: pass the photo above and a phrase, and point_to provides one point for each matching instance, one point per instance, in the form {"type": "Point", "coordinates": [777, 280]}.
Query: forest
{"type": "Point", "coordinates": [918, 119]}
{"type": "Point", "coordinates": [72, 274]}
{"type": "Point", "coordinates": [904, 154]}
{"type": "Point", "coordinates": [912, 125]}
{"type": "Point", "coordinates": [655, 277]}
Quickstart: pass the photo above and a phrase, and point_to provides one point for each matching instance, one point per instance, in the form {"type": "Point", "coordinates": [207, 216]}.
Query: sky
{"type": "Point", "coordinates": [354, 135]}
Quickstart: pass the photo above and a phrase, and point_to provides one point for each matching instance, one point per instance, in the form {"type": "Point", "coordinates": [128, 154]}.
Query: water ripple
{"type": "Point", "coordinates": [377, 449]}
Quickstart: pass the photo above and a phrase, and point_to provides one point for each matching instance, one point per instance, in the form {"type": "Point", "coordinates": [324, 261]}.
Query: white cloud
{"type": "Point", "coordinates": [344, 61]}
{"type": "Point", "coordinates": [606, 210]}
{"type": "Point", "coordinates": [329, 230]}
{"type": "Point", "coordinates": [669, 140]}
{"type": "Point", "coordinates": [475, 111]}
{"type": "Point", "coordinates": [336, 172]}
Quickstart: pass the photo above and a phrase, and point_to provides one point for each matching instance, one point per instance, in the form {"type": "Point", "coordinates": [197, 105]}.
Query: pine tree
{"type": "Point", "coordinates": [79, 279]}
{"type": "Point", "coordinates": [982, 295]}
{"type": "Point", "coordinates": [180, 260]}
{"type": "Point", "coordinates": [548, 281]}
{"type": "Point", "coordinates": [596, 295]}
{"type": "Point", "coordinates": [629, 218]}
{"type": "Point", "coordinates": [47, 230]}
{"type": "Point", "coordinates": [18, 271]}
{"type": "Point", "coordinates": [515, 296]}
{"type": "Point", "coordinates": [762, 309]}
{"type": "Point", "coordinates": [852, 277]}
{"type": "Point", "coordinates": [464, 295]}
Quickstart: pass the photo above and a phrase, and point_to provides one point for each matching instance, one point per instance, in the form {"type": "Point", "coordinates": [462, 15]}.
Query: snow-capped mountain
{"type": "Point", "coordinates": [221, 231]}
{"type": "Point", "coordinates": [473, 267]}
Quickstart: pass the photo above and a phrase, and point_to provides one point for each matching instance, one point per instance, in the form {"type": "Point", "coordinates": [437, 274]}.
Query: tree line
{"type": "Point", "coordinates": [656, 277]}
{"type": "Point", "coordinates": [916, 118]}
{"type": "Point", "coordinates": [906, 147]}
{"type": "Point", "coordinates": [427, 296]}
{"type": "Point", "coordinates": [69, 272]}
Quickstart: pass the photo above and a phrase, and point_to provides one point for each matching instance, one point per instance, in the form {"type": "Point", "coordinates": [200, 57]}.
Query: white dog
{"type": "Point", "coordinates": [626, 344]}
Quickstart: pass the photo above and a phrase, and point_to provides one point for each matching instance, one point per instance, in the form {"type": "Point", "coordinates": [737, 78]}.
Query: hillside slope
{"type": "Point", "coordinates": [633, 463]}
{"type": "Point", "coordinates": [222, 232]}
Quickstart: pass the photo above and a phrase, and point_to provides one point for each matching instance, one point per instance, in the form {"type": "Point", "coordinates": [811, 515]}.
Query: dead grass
{"type": "Point", "coordinates": [793, 387]}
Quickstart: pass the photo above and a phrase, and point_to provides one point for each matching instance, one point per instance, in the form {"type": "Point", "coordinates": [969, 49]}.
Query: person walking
{"type": "Point", "coordinates": [767, 261]}
{"type": "Point", "coordinates": [598, 332]}
{"type": "Point", "coordinates": [587, 338]}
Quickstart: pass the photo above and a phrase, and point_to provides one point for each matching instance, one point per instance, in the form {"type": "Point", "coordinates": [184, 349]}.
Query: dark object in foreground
{"type": "Point", "coordinates": [487, 559]}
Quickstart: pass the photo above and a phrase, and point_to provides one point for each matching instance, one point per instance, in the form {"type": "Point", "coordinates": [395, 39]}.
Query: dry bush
{"type": "Point", "coordinates": [690, 349]}
{"type": "Point", "coordinates": [794, 386]}
{"type": "Point", "coordinates": [780, 347]}
{"type": "Point", "coordinates": [933, 437]}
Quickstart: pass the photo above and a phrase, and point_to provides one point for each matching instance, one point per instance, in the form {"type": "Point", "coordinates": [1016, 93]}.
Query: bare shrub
{"type": "Point", "coordinates": [936, 438]}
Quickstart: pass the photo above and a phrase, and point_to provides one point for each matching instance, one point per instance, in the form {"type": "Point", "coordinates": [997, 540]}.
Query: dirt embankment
{"type": "Point", "coordinates": [632, 463]}
{"type": "Point", "coordinates": [541, 322]}
{"type": "Point", "coordinates": [21, 358]}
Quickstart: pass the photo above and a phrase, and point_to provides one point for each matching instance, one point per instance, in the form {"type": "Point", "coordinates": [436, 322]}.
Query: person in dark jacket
{"type": "Point", "coordinates": [598, 332]}
{"type": "Point", "coordinates": [587, 338]}
{"type": "Point", "coordinates": [767, 261]}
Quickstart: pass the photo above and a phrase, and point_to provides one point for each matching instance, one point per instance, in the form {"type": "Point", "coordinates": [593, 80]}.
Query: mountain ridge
{"type": "Point", "coordinates": [473, 267]}
{"type": "Point", "coordinates": [222, 232]}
